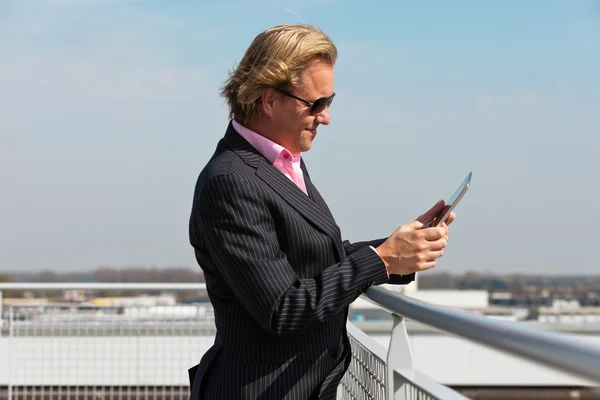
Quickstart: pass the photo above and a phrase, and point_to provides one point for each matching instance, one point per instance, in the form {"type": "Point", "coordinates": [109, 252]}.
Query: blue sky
{"type": "Point", "coordinates": [109, 109]}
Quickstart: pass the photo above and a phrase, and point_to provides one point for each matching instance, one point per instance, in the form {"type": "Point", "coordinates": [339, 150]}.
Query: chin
{"type": "Point", "coordinates": [305, 146]}
{"type": "Point", "coordinates": [307, 141]}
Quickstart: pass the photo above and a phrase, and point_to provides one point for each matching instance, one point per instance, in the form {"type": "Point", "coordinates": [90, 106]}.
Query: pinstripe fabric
{"type": "Point", "coordinates": [279, 277]}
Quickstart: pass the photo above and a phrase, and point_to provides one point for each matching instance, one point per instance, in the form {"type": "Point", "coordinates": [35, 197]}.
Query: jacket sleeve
{"type": "Point", "coordinates": [350, 248]}
{"type": "Point", "coordinates": [240, 236]}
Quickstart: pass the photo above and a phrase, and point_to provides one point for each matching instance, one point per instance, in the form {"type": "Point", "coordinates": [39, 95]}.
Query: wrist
{"type": "Point", "coordinates": [380, 250]}
{"type": "Point", "coordinates": [386, 268]}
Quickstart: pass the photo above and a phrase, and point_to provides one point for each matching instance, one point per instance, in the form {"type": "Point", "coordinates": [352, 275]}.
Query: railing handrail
{"type": "Point", "coordinates": [548, 348]}
{"type": "Point", "coordinates": [99, 286]}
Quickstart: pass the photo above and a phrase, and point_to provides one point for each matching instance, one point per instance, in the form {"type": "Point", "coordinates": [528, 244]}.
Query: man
{"type": "Point", "coordinates": [277, 271]}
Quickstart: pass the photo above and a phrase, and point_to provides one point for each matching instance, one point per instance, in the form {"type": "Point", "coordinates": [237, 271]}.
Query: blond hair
{"type": "Point", "coordinates": [276, 58]}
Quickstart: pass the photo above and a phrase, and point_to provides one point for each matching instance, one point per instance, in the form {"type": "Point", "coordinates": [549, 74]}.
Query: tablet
{"type": "Point", "coordinates": [453, 201]}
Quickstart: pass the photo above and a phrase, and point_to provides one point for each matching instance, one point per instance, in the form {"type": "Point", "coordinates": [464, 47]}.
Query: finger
{"type": "Point", "coordinates": [445, 228]}
{"type": "Point", "coordinates": [438, 244]}
{"type": "Point", "coordinates": [433, 234]}
{"type": "Point", "coordinates": [433, 255]}
{"type": "Point", "coordinates": [450, 218]}
{"type": "Point", "coordinates": [446, 235]}
{"type": "Point", "coordinates": [426, 265]}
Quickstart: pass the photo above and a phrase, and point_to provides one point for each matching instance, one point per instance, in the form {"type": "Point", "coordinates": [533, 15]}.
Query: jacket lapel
{"type": "Point", "coordinates": [313, 192]}
{"type": "Point", "coordinates": [315, 210]}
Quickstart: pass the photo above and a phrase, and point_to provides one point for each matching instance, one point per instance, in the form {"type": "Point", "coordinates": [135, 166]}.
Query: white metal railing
{"type": "Point", "coordinates": [551, 349]}
{"type": "Point", "coordinates": [379, 374]}
{"type": "Point", "coordinates": [72, 350]}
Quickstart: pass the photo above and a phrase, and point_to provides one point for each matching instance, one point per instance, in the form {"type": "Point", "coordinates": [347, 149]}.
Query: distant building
{"type": "Point", "coordinates": [161, 300]}
{"type": "Point", "coordinates": [463, 299]}
{"type": "Point", "coordinates": [17, 301]}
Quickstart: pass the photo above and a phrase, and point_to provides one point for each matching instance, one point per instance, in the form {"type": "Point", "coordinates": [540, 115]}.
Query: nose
{"type": "Point", "coordinates": [323, 117]}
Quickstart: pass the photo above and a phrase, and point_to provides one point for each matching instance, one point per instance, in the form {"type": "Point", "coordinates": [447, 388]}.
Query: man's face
{"type": "Point", "coordinates": [295, 126]}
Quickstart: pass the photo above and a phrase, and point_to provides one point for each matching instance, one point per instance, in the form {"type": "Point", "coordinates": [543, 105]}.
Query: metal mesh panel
{"type": "Point", "coordinates": [415, 393]}
{"type": "Point", "coordinates": [412, 392]}
{"type": "Point", "coordinates": [75, 352]}
{"type": "Point", "coordinates": [93, 392]}
{"type": "Point", "coordinates": [366, 375]}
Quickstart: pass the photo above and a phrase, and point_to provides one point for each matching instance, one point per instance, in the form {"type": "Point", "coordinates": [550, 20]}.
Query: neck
{"type": "Point", "coordinates": [266, 129]}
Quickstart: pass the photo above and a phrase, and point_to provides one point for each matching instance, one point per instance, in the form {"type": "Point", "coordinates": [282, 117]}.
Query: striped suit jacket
{"type": "Point", "coordinates": [280, 279]}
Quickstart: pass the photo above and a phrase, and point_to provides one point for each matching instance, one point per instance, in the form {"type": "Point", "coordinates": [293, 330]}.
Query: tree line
{"type": "Point", "coordinates": [109, 275]}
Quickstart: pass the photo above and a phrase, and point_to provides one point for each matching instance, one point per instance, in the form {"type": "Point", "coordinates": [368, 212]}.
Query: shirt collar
{"type": "Point", "coordinates": [269, 149]}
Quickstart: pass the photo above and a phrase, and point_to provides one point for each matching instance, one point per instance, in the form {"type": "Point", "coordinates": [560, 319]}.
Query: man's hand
{"type": "Point", "coordinates": [451, 217]}
{"type": "Point", "coordinates": [415, 246]}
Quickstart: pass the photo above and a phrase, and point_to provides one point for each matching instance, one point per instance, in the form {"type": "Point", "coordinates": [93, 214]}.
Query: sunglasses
{"type": "Point", "coordinates": [315, 107]}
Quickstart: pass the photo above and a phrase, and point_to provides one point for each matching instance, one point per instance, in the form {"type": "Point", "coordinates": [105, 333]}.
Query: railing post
{"type": "Point", "coordinates": [10, 351]}
{"type": "Point", "coordinates": [399, 356]}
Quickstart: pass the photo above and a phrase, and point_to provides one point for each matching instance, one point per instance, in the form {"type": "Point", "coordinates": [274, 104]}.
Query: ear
{"type": "Point", "coordinates": [267, 99]}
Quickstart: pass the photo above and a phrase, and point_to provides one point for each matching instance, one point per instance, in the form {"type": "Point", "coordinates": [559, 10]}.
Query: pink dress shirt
{"type": "Point", "coordinates": [280, 157]}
